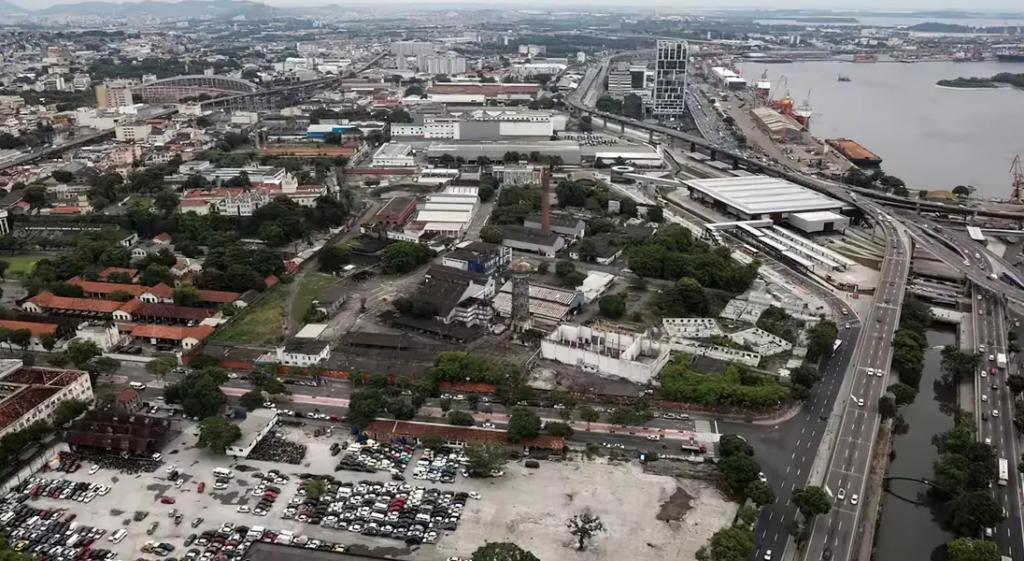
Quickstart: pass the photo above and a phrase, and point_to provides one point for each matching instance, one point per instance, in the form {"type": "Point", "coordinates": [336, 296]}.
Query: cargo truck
{"type": "Point", "coordinates": [1001, 360]}
{"type": "Point", "coordinates": [694, 446]}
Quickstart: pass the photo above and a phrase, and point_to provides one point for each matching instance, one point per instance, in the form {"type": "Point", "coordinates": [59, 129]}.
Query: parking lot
{"type": "Point", "coordinates": [528, 507]}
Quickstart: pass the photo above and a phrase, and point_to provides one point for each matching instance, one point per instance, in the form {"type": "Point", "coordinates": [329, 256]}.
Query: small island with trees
{"type": "Point", "coordinates": [1000, 80]}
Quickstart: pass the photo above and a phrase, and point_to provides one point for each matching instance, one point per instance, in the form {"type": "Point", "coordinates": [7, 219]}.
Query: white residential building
{"type": "Point", "coordinates": [33, 394]}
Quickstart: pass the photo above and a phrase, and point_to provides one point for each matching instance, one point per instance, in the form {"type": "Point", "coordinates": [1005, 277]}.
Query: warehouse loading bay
{"type": "Point", "coordinates": [527, 506]}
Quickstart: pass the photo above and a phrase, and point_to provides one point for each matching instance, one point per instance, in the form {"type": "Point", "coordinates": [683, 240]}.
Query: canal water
{"type": "Point", "coordinates": [933, 138]}
{"type": "Point", "coordinates": [908, 531]}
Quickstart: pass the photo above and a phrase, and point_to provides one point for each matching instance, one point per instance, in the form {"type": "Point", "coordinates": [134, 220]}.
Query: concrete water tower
{"type": "Point", "coordinates": [521, 270]}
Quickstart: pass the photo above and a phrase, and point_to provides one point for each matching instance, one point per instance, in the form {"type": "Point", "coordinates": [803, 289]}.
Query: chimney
{"type": "Point", "coordinates": [545, 202]}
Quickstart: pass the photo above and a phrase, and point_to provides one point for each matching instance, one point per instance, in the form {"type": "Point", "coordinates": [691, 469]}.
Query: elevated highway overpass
{"type": "Point", "coordinates": [578, 107]}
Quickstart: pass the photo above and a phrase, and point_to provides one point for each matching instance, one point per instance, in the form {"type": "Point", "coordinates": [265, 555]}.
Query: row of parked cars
{"type": "Point", "coordinates": [440, 466]}
{"type": "Point", "coordinates": [391, 510]}
{"type": "Point", "coordinates": [63, 489]}
{"type": "Point", "coordinates": [49, 535]}
{"type": "Point", "coordinates": [373, 456]}
{"type": "Point", "coordinates": [231, 542]}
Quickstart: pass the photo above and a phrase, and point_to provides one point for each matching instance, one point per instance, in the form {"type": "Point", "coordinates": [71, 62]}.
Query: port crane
{"type": "Point", "coordinates": [1018, 181]}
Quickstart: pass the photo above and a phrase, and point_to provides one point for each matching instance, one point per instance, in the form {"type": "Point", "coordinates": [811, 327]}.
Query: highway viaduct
{"type": "Point", "coordinates": [738, 161]}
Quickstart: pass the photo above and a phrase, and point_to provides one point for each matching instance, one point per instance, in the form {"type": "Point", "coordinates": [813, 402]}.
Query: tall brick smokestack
{"type": "Point", "coordinates": [545, 202]}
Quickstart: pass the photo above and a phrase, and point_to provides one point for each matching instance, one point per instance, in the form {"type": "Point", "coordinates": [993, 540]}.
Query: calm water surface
{"type": "Point", "coordinates": [931, 137]}
{"type": "Point", "coordinates": [908, 532]}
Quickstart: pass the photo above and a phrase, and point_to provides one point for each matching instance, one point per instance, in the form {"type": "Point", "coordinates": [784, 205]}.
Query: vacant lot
{"type": "Point", "coordinates": [308, 289]}
{"type": "Point", "coordinates": [259, 324]}
{"type": "Point", "coordinates": [530, 508]}
{"type": "Point", "coordinates": [20, 265]}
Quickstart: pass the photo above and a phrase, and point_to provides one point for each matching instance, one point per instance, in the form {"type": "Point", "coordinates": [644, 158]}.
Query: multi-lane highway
{"type": "Point", "coordinates": [846, 479]}
{"type": "Point", "coordinates": [787, 451]}
{"type": "Point", "coordinates": [995, 416]}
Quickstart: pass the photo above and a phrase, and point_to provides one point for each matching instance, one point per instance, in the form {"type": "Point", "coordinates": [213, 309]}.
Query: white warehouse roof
{"type": "Point", "coordinates": [451, 207]}
{"type": "Point", "coordinates": [443, 216]}
{"type": "Point", "coordinates": [760, 194]}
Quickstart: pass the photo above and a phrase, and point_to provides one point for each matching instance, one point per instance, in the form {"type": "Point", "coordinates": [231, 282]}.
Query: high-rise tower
{"type": "Point", "coordinates": [669, 97]}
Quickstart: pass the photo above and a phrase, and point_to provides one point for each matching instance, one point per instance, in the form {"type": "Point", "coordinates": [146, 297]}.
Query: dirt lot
{"type": "Point", "coordinates": [528, 507]}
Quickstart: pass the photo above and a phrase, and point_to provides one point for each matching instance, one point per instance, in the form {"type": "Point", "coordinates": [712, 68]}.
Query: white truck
{"type": "Point", "coordinates": [1001, 360]}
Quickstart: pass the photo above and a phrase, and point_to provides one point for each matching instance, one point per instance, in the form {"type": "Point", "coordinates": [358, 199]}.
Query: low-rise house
{"type": "Point", "coordinates": [303, 352]}
{"type": "Point", "coordinates": [533, 241]}
{"type": "Point", "coordinates": [37, 330]}
{"type": "Point", "coordinates": [173, 335]}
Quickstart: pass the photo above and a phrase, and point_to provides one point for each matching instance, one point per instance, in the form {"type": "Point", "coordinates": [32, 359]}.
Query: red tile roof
{"type": "Point", "coordinates": [467, 434]}
{"type": "Point", "coordinates": [161, 291]}
{"type": "Point", "coordinates": [37, 329]}
{"type": "Point", "coordinates": [171, 332]}
{"type": "Point", "coordinates": [168, 311]}
{"type": "Point", "coordinates": [131, 305]}
{"type": "Point", "coordinates": [127, 395]}
{"type": "Point", "coordinates": [106, 288]}
{"type": "Point", "coordinates": [162, 238]}
{"type": "Point", "coordinates": [218, 296]}
{"type": "Point", "coordinates": [271, 281]}
{"type": "Point", "coordinates": [48, 301]}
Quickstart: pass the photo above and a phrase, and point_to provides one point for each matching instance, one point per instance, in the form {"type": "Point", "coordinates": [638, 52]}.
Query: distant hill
{"type": "Point", "coordinates": [8, 8]}
{"type": "Point", "coordinates": [225, 8]}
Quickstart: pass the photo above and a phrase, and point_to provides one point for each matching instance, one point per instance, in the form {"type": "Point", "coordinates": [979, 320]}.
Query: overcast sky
{"type": "Point", "coordinates": [1014, 6]}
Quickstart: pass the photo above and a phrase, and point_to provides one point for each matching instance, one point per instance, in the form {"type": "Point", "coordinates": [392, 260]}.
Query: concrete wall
{"type": "Point", "coordinates": [33, 466]}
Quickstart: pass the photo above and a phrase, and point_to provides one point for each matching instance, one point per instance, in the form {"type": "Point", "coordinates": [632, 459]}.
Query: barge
{"type": "Point", "coordinates": [857, 154]}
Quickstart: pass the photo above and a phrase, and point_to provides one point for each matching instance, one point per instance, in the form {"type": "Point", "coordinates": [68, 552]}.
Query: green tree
{"type": "Point", "coordinates": [461, 419]}
{"type": "Point", "coordinates": [486, 458]}
{"type": "Point", "coordinates": [728, 544]}
{"type": "Point", "coordinates": [738, 472]}
{"type": "Point", "coordinates": [217, 433]}
{"type": "Point", "coordinates": [812, 501]}
{"type": "Point", "coordinates": [502, 551]}
{"type": "Point", "coordinates": [80, 352]}
{"type": "Point", "coordinates": [523, 424]}
{"type": "Point", "coordinates": [187, 295]}
{"type": "Point", "coordinates": [404, 257]}
{"type": "Point", "coordinates": [886, 407]}
{"type": "Point", "coordinates": [903, 393]}
{"type": "Point", "coordinates": [970, 512]}
{"type": "Point", "coordinates": [61, 176]}
{"type": "Point", "coordinates": [155, 274]}
{"type": "Point", "coordinates": [962, 191]}
{"type": "Point", "coordinates": [252, 399]}
{"type": "Point", "coordinates": [445, 404]}
{"type": "Point", "coordinates": [563, 430]}
{"type": "Point", "coordinates": [584, 527]}
{"type": "Point", "coordinates": [161, 367]}
{"type": "Point", "coordinates": [820, 339]}
{"type": "Point", "coordinates": [364, 408]}
{"type": "Point", "coordinates": [434, 442]}
{"type": "Point", "coordinates": [589, 415]}
{"type": "Point", "coordinates": [491, 234]}
{"type": "Point", "coordinates": [401, 409]}
{"type": "Point", "coordinates": [103, 365]}
{"type": "Point", "coordinates": [655, 214]}
{"type": "Point", "coordinates": [34, 196]}
{"type": "Point", "coordinates": [612, 306]}
{"type": "Point", "coordinates": [68, 410]}
{"type": "Point", "coordinates": [316, 488]}
{"type": "Point", "coordinates": [967, 549]}
{"type": "Point", "coordinates": [731, 445]}
{"type": "Point", "coordinates": [199, 393]}
{"type": "Point", "coordinates": [761, 493]}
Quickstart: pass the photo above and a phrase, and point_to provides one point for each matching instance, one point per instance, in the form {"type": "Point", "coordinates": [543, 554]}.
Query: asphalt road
{"type": "Point", "coordinates": [787, 451]}
{"type": "Point", "coordinates": [851, 457]}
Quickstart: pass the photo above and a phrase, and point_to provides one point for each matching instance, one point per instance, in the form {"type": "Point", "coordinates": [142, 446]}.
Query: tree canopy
{"type": "Point", "coordinates": [199, 392]}
{"type": "Point", "coordinates": [523, 424]}
{"type": "Point", "coordinates": [502, 551]}
{"type": "Point", "coordinates": [736, 387]}
{"type": "Point", "coordinates": [217, 433]}
{"type": "Point", "coordinates": [673, 253]}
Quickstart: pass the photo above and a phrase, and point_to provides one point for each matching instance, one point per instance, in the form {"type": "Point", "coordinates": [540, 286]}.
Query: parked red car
{"type": "Point", "coordinates": [202, 486]}
{"type": "Point", "coordinates": [167, 500]}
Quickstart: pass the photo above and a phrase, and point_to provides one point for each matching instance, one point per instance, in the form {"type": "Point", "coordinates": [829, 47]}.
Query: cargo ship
{"type": "Point", "coordinates": [1016, 55]}
{"type": "Point", "coordinates": [857, 154]}
{"type": "Point", "coordinates": [865, 58]}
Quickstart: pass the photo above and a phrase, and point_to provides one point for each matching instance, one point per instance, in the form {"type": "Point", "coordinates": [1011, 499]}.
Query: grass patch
{"type": "Point", "coordinates": [21, 265]}
{"type": "Point", "coordinates": [259, 324]}
{"type": "Point", "coordinates": [309, 289]}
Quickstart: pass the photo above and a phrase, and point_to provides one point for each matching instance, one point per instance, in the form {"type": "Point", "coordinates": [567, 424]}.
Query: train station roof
{"type": "Point", "coordinates": [759, 195]}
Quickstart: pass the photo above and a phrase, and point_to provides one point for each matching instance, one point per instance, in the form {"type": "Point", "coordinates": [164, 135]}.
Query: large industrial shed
{"type": "Point", "coordinates": [761, 197]}
{"type": "Point", "coordinates": [568, 150]}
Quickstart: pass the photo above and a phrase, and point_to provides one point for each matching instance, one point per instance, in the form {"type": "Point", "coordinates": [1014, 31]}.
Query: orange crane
{"type": "Point", "coordinates": [1018, 181]}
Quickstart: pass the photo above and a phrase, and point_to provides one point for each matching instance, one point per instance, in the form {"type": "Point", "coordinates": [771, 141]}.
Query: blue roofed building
{"type": "Point", "coordinates": [348, 131]}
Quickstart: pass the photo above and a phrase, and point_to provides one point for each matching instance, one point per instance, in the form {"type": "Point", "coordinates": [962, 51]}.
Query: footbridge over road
{"type": "Point", "coordinates": [738, 161]}
{"type": "Point", "coordinates": [889, 490]}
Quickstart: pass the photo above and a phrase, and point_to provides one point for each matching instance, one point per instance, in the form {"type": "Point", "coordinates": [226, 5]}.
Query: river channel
{"type": "Point", "coordinates": [933, 138]}
{"type": "Point", "coordinates": [908, 531]}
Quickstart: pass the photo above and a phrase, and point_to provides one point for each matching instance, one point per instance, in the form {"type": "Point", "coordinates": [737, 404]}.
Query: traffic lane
{"type": "Point", "coordinates": [771, 532]}
{"type": "Point", "coordinates": [1013, 523]}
